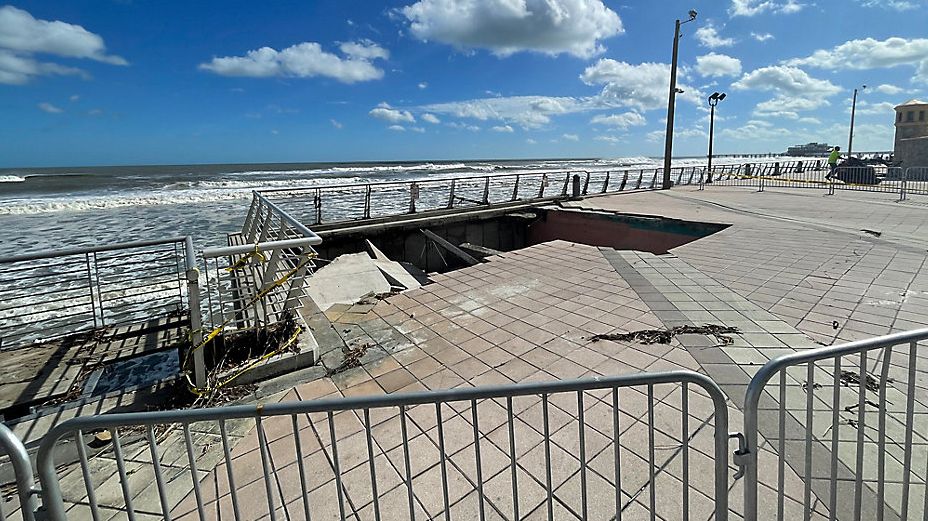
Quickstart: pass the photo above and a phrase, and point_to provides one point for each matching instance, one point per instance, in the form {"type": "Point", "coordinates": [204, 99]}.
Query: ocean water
{"type": "Point", "coordinates": [48, 208]}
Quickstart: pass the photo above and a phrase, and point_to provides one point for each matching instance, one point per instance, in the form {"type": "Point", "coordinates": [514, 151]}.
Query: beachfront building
{"type": "Point", "coordinates": [911, 145]}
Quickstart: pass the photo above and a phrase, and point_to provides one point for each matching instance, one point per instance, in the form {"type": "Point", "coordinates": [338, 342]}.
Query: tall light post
{"type": "Point", "coordinates": [850, 137]}
{"type": "Point", "coordinates": [714, 100]}
{"type": "Point", "coordinates": [668, 138]}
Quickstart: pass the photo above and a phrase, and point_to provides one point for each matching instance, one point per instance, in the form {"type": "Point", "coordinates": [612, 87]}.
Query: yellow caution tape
{"type": "Point", "coordinates": [215, 332]}
{"type": "Point", "coordinates": [241, 263]}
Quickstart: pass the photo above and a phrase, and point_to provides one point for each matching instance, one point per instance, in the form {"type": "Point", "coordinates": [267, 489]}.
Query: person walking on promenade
{"type": "Point", "coordinates": [833, 162]}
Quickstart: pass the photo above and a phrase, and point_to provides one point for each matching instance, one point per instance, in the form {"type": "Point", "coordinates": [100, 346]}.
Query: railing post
{"type": "Point", "coordinates": [515, 189]}
{"type": "Point", "coordinates": [367, 203]}
{"type": "Point", "coordinates": [575, 189]}
{"type": "Point", "coordinates": [640, 176]}
{"type": "Point", "coordinates": [566, 184]}
{"type": "Point", "coordinates": [544, 184]}
{"type": "Point", "coordinates": [680, 176]}
{"type": "Point", "coordinates": [624, 181]}
{"type": "Point", "coordinates": [902, 186]}
{"type": "Point", "coordinates": [317, 202]}
{"type": "Point", "coordinates": [486, 191]}
{"type": "Point", "coordinates": [586, 183]}
{"type": "Point", "coordinates": [251, 213]}
{"type": "Point", "coordinates": [413, 195]}
{"type": "Point", "coordinates": [90, 286]}
{"type": "Point", "coordinates": [654, 180]}
{"type": "Point", "coordinates": [196, 326]}
{"type": "Point", "coordinates": [606, 183]}
{"type": "Point", "coordinates": [451, 194]}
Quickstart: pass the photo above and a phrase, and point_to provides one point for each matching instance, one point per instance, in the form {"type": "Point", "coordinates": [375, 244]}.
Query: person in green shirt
{"type": "Point", "coordinates": [833, 162]}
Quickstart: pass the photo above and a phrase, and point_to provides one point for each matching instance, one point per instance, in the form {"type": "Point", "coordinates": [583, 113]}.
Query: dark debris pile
{"type": "Point", "coordinates": [664, 336]}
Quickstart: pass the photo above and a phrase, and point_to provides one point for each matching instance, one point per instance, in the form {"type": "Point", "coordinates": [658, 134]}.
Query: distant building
{"type": "Point", "coordinates": [809, 149]}
{"type": "Point", "coordinates": [911, 147]}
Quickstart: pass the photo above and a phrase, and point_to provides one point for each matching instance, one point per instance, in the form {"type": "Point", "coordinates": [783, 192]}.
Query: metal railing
{"type": "Point", "coordinates": [54, 293]}
{"type": "Point", "coordinates": [549, 447]}
{"type": "Point", "coordinates": [353, 202]}
{"type": "Point", "coordinates": [25, 498]}
{"type": "Point", "coordinates": [259, 277]}
{"type": "Point", "coordinates": [818, 175]}
{"type": "Point", "coordinates": [846, 427]}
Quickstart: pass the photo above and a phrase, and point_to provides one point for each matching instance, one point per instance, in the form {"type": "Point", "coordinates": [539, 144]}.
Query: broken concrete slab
{"type": "Point", "coordinates": [346, 280]}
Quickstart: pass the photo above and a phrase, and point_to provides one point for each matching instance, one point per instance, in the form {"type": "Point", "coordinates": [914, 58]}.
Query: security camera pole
{"type": "Point", "coordinates": [668, 138]}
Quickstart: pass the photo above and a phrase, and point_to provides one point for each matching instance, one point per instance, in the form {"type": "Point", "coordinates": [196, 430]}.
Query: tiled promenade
{"type": "Point", "coordinates": [793, 269]}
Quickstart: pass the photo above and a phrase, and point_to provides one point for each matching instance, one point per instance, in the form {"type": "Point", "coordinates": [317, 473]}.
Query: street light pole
{"type": "Point", "coordinates": [714, 100]}
{"type": "Point", "coordinates": [672, 98]}
{"type": "Point", "coordinates": [850, 137]}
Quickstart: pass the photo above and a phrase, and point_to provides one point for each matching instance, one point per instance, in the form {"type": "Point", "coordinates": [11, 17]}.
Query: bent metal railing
{"type": "Point", "coordinates": [545, 448]}
{"type": "Point", "coordinates": [54, 293]}
{"type": "Point", "coordinates": [846, 427]}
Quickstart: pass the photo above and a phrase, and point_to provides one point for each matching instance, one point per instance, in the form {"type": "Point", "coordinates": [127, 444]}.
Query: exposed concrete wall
{"type": "Point", "coordinates": [408, 244]}
{"type": "Point", "coordinates": [624, 232]}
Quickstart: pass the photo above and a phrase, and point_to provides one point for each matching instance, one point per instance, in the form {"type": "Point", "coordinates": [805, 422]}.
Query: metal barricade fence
{"type": "Point", "coordinates": [912, 180]}
{"type": "Point", "coordinates": [847, 419]}
{"type": "Point", "coordinates": [24, 500]}
{"type": "Point", "coordinates": [54, 293]}
{"type": "Point", "coordinates": [545, 449]}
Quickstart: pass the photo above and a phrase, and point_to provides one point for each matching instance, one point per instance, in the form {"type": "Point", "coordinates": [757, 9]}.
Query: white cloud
{"type": "Point", "coordinates": [527, 111]}
{"type": "Point", "coordinates": [430, 118]}
{"type": "Point", "coordinates": [420, 130]}
{"type": "Point", "coordinates": [642, 86]}
{"type": "Point", "coordinates": [886, 88]}
{"type": "Point", "coordinates": [423, 85]}
{"type": "Point", "coordinates": [709, 36]}
{"type": "Point", "coordinates": [810, 121]}
{"type": "Point", "coordinates": [305, 60]}
{"type": "Point", "coordinates": [22, 37]}
{"type": "Point", "coordinates": [18, 69]}
{"type": "Point", "coordinates": [608, 139]}
{"type": "Point", "coordinates": [503, 128]}
{"type": "Point", "coordinates": [792, 84]}
{"type": "Point", "coordinates": [387, 113]}
{"type": "Point", "coordinates": [884, 108]}
{"type": "Point", "coordinates": [571, 137]}
{"type": "Point", "coordinates": [713, 64]}
{"type": "Point", "coordinates": [364, 50]}
{"type": "Point", "coordinates": [755, 7]}
{"type": "Point", "coordinates": [761, 37]}
{"type": "Point", "coordinates": [531, 141]}
{"type": "Point", "coordinates": [337, 124]}
{"type": "Point", "coordinates": [48, 107]}
{"type": "Point", "coordinates": [869, 53]}
{"type": "Point", "coordinates": [898, 5]}
{"type": "Point", "coordinates": [22, 33]}
{"type": "Point", "coordinates": [397, 128]}
{"type": "Point", "coordinates": [463, 126]}
{"type": "Point", "coordinates": [788, 107]}
{"type": "Point", "coordinates": [622, 121]}
{"type": "Point", "coordinates": [505, 27]}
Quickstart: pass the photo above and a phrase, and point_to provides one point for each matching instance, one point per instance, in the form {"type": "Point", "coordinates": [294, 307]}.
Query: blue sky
{"type": "Point", "coordinates": [134, 82]}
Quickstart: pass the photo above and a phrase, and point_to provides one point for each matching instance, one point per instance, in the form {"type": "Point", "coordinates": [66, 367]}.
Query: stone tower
{"type": "Point", "coordinates": [911, 146]}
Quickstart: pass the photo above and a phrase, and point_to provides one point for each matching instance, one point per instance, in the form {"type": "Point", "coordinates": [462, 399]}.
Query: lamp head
{"type": "Point", "coordinates": [722, 96]}
{"type": "Point", "coordinates": [692, 14]}
{"type": "Point", "coordinates": [714, 96]}
{"type": "Point", "coordinates": [679, 90]}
